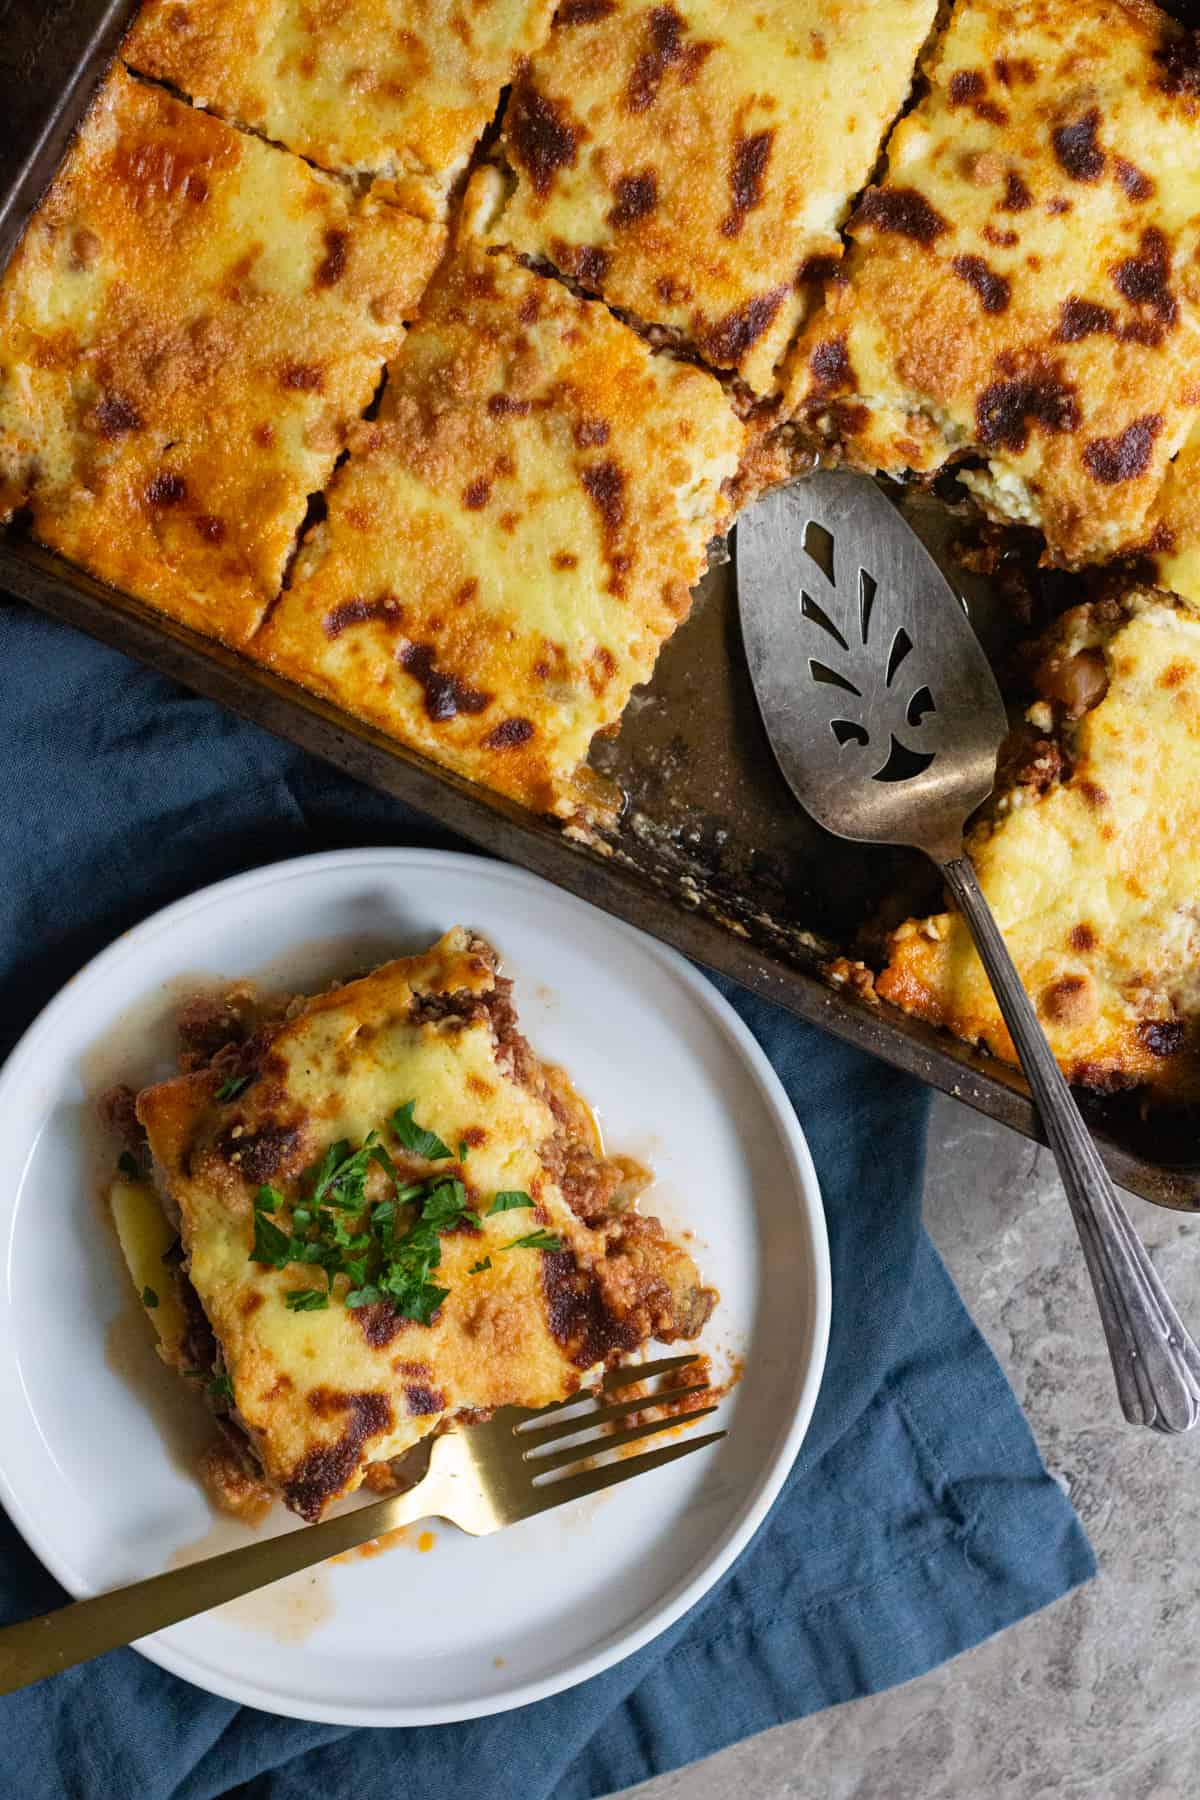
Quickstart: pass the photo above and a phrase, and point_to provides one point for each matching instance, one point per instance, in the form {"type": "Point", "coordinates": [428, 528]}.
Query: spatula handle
{"type": "Point", "coordinates": [1156, 1364]}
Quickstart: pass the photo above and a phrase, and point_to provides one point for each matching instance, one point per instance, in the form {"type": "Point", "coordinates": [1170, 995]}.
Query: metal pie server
{"type": "Point", "coordinates": [885, 719]}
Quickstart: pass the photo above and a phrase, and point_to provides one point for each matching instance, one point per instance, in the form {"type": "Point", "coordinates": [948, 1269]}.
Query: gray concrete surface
{"type": "Point", "coordinates": [1098, 1696]}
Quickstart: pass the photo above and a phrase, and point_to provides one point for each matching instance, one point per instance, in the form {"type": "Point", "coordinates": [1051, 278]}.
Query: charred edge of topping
{"type": "Point", "coordinates": [509, 734]}
{"type": "Point", "coordinates": [115, 415]}
{"type": "Point", "coordinates": [423, 1400]}
{"type": "Point", "coordinates": [257, 1155]}
{"type": "Point", "coordinates": [542, 135]}
{"type": "Point", "coordinates": [1017, 197]}
{"type": "Point", "coordinates": [1006, 410]}
{"type": "Point", "coordinates": [332, 266]}
{"type": "Point", "coordinates": [166, 490]}
{"type": "Point", "coordinates": [590, 434]}
{"type": "Point", "coordinates": [636, 197]}
{"type": "Point", "coordinates": [380, 1323]}
{"type": "Point", "coordinates": [1126, 456]}
{"type": "Point", "coordinates": [583, 12]}
{"type": "Point", "coordinates": [1082, 318]}
{"type": "Point", "coordinates": [445, 695]}
{"type": "Point", "coordinates": [665, 49]}
{"type": "Point", "coordinates": [1142, 280]}
{"type": "Point", "coordinates": [604, 484]}
{"type": "Point", "coordinates": [729, 340]}
{"type": "Point", "coordinates": [831, 368]}
{"type": "Point", "coordinates": [993, 290]}
{"type": "Point", "coordinates": [968, 88]}
{"type": "Point", "coordinates": [577, 1315]}
{"type": "Point", "coordinates": [1178, 58]}
{"type": "Point", "coordinates": [747, 175]}
{"type": "Point", "coordinates": [586, 263]}
{"type": "Point", "coordinates": [503, 406]}
{"type": "Point", "coordinates": [904, 211]}
{"type": "Point", "coordinates": [358, 611]}
{"type": "Point", "coordinates": [1076, 149]}
{"type": "Point", "coordinates": [1136, 184]}
{"type": "Point", "coordinates": [324, 1472]}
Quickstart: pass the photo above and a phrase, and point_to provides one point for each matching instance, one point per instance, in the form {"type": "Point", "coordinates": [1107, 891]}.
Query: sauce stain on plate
{"type": "Point", "coordinates": [288, 1611]}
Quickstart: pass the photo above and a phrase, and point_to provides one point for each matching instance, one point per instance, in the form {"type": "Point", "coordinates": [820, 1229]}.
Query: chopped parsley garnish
{"type": "Point", "coordinates": [307, 1299]}
{"type": "Point", "coordinates": [463, 1149]}
{"type": "Point", "coordinates": [389, 1249]}
{"type": "Point", "coordinates": [149, 1297]}
{"type": "Point", "coordinates": [537, 1240]}
{"type": "Point", "coordinates": [507, 1199]}
{"type": "Point", "coordinates": [422, 1143]}
{"type": "Point", "coordinates": [220, 1387]}
{"type": "Point", "coordinates": [232, 1087]}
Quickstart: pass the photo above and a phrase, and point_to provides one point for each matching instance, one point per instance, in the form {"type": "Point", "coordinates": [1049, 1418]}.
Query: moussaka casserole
{"type": "Point", "coordinates": [383, 1213]}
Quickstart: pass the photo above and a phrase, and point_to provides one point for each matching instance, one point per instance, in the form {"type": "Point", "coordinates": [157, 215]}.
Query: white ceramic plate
{"type": "Point", "coordinates": [97, 1435]}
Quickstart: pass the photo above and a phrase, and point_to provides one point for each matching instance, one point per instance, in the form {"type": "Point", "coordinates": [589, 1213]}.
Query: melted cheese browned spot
{"type": "Point", "coordinates": [322, 1395]}
{"type": "Point", "coordinates": [401, 88]}
{"type": "Point", "coordinates": [1022, 284]}
{"type": "Point", "coordinates": [169, 399]}
{"type": "Point", "coordinates": [530, 508]}
{"type": "Point", "coordinates": [689, 160]}
{"type": "Point", "coordinates": [1094, 873]}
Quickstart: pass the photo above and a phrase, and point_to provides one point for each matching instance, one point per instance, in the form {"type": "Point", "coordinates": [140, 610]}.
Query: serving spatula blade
{"type": "Point", "coordinates": [878, 700]}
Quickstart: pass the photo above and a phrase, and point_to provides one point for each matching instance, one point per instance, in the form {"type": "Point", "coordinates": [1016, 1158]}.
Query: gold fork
{"type": "Point", "coordinates": [480, 1479]}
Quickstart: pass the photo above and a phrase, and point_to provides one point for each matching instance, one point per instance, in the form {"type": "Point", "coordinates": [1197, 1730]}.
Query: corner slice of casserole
{"type": "Point", "coordinates": [693, 162]}
{"type": "Point", "coordinates": [391, 1215]}
{"type": "Point", "coordinates": [188, 328]}
{"type": "Point", "coordinates": [1090, 860]}
{"type": "Point", "coordinates": [514, 536]}
{"type": "Point", "coordinates": [395, 88]}
{"type": "Point", "coordinates": [1020, 290]}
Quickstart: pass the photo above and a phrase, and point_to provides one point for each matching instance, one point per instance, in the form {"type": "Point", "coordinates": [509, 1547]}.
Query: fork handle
{"type": "Point", "coordinates": [72, 1634]}
{"type": "Point", "coordinates": [1155, 1362]}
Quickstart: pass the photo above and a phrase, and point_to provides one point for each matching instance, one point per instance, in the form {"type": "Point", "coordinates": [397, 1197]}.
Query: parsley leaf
{"type": "Point", "coordinates": [536, 1240]}
{"type": "Point", "coordinates": [422, 1143]}
{"type": "Point", "coordinates": [307, 1299]}
{"type": "Point", "coordinates": [232, 1087]}
{"type": "Point", "coordinates": [267, 1199]}
{"type": "Point", "coordinates": [271, 1246]}
{"type": "Point", "coordinates": [129, 1165]}
{"type": "Point", "coordinates": [479, 1267]}
{"type": "Point", "coordinates": [463, 1150]}
{"type": "Point", "coordinates": [507, 1199]}
{"type": "Point", "coordinates": [149, 1297]}
{"type": "Point", "coordinates": [220, 1387]}
{"type": "Point", "coordinates": [363, 1296]}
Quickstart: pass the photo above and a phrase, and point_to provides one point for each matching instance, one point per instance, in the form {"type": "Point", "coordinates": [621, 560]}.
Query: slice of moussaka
{"type": "Point", "coordinates": [694, 162]}
{"type": "Point", "coordinates": [390, 1215]}
{"type": "Point", "coordinates": [1020, 291]}
{"type": "Point", "coordinates": [514, 536]}
{"type": "Point", "coordinates": [397, 88]}
{"type": "Point", "coordinates": [1090, 861]}
{"type": "Point", "coordinates": [188, 328]}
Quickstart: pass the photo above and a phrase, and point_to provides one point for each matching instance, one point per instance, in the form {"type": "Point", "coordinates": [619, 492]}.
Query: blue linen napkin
{"type": "Point", "coordinates": [918, 1518]}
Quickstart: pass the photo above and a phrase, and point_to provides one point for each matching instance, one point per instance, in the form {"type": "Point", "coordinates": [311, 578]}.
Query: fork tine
{"type": "Point", "coordinates": [603, 1414]}
{"type": "Point", "coordinates": [621, 1377]}
{"type": "Point", "coordinates": [594, 1481]}
{"type": "Point", "coordinates": [562, 1459]}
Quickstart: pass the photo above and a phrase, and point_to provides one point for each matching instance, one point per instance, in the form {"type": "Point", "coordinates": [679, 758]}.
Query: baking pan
{"type": "Point", "coordinates": [711, 853]}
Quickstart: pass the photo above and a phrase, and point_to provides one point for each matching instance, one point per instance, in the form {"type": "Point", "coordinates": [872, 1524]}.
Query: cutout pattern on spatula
{"type": "Point", "coordinates": [857, 645]}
